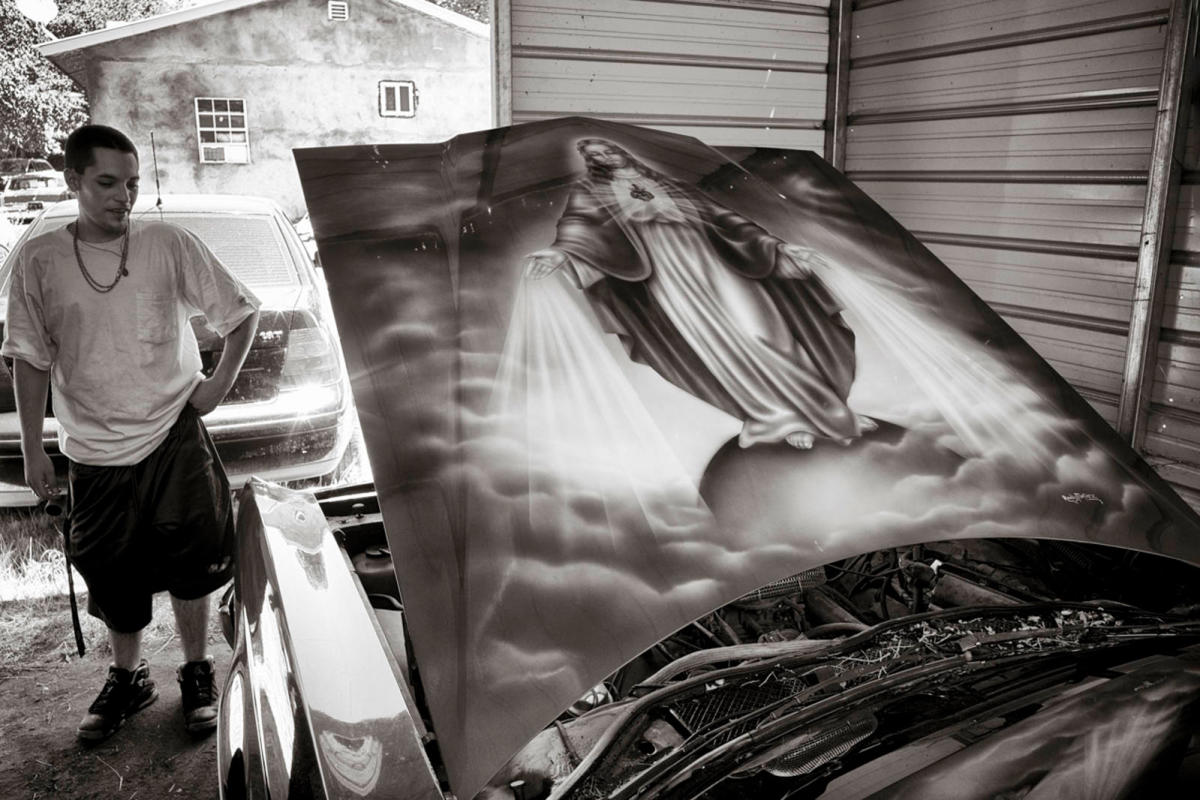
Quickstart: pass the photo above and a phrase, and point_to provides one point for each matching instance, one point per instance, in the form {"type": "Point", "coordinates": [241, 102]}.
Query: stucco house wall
{"type": "Point", "coordinates": [306, 81]}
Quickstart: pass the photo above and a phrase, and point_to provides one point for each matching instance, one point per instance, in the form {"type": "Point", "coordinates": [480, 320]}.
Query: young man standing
{"type": "Point", "coordinates": [101, 310]}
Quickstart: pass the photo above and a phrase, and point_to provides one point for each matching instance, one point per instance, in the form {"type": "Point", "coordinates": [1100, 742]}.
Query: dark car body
{"type": "Point", "coordinates": [584, 571]}
{"type": "Point", "coordinates": [289, 415]}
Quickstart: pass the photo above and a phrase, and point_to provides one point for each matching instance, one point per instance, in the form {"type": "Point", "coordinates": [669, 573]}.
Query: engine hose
{"type": "Point", "coordinates": [737, 652]}
{"type": "Point", "coordinates": [832, 629]}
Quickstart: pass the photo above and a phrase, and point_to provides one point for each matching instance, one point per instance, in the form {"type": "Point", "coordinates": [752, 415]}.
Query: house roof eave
{"type": "Point", "coordinates": [71, 64]}
{"type": "Point", "coordinates": [83, 41]}
{"type": "Point", "coordinates": [481, 29]}
{"type": "Point", "coordinates": [58, 47]}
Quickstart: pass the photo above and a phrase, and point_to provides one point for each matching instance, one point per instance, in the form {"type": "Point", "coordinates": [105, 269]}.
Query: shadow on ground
{"type": "Point", "coordinates": [43, 697]}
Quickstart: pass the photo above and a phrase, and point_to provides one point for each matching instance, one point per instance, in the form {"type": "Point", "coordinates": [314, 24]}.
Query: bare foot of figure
{"type": "Point", "coordinates": [800, 440]}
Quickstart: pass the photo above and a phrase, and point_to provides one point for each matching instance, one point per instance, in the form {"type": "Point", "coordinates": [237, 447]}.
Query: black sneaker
{"type": "Point", "coordinates": [197, 683]}
{"type": "Point", "coordinates": [125, 692]}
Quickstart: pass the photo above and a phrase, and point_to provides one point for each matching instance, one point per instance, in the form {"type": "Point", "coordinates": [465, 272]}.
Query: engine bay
{"type": "Point", "coordinates": [795, 688]}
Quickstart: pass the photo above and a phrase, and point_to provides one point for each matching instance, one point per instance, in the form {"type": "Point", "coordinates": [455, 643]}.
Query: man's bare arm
{"type": "Point", "coordinates": [32, 385]}
{"type": "Point", "coordinates": [210, 392]}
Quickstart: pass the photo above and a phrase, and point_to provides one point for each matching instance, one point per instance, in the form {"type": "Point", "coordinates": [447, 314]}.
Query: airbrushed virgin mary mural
{"type": "Point", "coordinates": [717, 305]}
{"type": "Point", "coordinates": [611, 378]}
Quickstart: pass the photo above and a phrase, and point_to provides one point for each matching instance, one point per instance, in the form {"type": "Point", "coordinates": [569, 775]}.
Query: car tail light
{"type": "Point", "coordinates": [310, 360]}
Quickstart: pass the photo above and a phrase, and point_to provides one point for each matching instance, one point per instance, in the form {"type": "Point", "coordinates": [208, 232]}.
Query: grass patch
{"type": "Point", "coordinates": [37, 631]}
{"type": "Point", "coordinates": [31, 556]}
{"type": "Point", "coordinates": [35, 612]}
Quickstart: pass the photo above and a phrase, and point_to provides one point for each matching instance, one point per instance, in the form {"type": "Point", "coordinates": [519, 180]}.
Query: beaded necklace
{"type": "Point", "coordinates": [102, 288]}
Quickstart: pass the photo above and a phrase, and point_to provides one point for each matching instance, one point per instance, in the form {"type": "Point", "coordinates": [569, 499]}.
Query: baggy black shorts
{"type": "Point", "coordinates": [163, 524]}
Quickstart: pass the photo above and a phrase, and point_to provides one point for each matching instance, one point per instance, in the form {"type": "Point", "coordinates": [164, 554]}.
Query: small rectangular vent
{"type": "Point", "coordinates": [339, 11]}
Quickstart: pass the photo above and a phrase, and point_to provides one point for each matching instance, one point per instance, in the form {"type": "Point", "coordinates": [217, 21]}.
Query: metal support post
{"type": "Point", "coordinates": [1158, 220]}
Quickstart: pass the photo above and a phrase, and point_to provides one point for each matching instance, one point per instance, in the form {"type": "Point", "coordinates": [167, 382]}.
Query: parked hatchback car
{"type": "Point", "coordinates": [26, 195]}
{"type": "Point", "coordinates": [289, 414]}
{"type": "Point", "coordinates": [597, 563]}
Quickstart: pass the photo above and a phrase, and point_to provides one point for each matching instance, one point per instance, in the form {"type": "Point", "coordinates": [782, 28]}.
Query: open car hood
{"type": "Point", "coordinates": [580, 452]}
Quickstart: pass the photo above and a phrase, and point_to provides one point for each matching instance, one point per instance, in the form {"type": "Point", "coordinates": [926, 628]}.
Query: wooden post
{"type": "Point", "coordinates": [837, 99]}
{"type": "Point", "coordinates": [1158, 220]}
{"type": "Point", "coordinates": [501, 63]}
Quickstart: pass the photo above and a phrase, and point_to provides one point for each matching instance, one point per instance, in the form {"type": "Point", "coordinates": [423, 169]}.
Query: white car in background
{"type": "Point", "coordinates": [289, 416]}
{"type": "Point", "coordinates": [8, 236]}
{"type": "Point", "coordinates": [26, 195]}
{"type": "Point", "coordinates": [17, 166]}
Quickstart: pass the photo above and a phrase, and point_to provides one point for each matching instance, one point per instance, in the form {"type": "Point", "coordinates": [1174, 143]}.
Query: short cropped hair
{"type": "Point", "coordinates": [79, 152]}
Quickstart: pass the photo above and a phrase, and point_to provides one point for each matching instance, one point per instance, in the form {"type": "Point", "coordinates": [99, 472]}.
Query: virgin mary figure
{"type": "Point", "coordinates": [710, 300]}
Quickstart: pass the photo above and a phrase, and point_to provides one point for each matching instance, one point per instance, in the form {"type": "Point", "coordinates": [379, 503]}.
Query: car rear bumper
{"type": "Point", "coordinates": [298, 436]}
{"type": "Point", "coordinates": [20, 216]}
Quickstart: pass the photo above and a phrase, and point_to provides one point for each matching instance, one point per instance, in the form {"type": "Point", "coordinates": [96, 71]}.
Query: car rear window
{"type": "Point", "coordinates": [251, 246]}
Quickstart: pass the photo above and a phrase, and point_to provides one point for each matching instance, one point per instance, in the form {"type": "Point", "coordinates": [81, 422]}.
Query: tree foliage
{"type": "Point", "coordinates": [475, 9]}
{"type": "Point", "coordinates": [38, 104]}
{"type": "Point", "coordinates": [81, 16]}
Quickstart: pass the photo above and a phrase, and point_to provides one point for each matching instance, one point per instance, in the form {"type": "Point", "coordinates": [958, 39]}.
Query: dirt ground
{"type": "Point", "coordinates": [42, 701]}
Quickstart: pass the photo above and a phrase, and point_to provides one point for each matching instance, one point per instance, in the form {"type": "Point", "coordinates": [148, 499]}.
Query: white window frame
{"type": "Point", "coordinates": [220, 139]}
{"type": "Point", "coordinates": [397, 87]}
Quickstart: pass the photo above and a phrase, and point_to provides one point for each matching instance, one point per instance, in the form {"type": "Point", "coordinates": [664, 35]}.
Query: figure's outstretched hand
{"type": "Point", "coordinates": [542, 263]}
{"type": "Point", "coordinates": [799, 262]}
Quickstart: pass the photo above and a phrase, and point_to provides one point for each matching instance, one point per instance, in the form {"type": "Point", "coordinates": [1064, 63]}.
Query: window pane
{"type": "Point", "coordinates": [220, 105]}
{"type": "Point", "coordinates": [237, 136]}
{"type": "Point", "coordinates": [208, 137]}
{"type": "Point", "coordinates": [389, 98]}
{"type": "Point", "coordinates": [206, 120]}
{"type": "Point", "coordinates": [222, 121]}
{"type": "Point", "coordinates": [405, 97]}
{"type": "Point", "coordinates": [248, 244]}
{"type": "Point", "coordinates": [237, 105]}
{"type": "Point", "coordinates": [224, 136]}
{"type": "Point", "coordinates": [237, 120]}
{"type": "Point", "coordinates": [204, 105]}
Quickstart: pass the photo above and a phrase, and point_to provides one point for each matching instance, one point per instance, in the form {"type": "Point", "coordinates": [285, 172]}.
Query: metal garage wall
{"type": "Point", "coordinates": [1173, 433]}
{"type": "Point", "coordinates": [731, 72]}
{"type": "Point", "coordinates": [1014, 139]}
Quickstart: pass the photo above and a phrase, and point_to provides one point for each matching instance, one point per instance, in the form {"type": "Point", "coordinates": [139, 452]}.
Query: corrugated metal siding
{"type": "Point", "coordinates": [1173, 433]}
{"type": "Point", "coordinates": [748, 73]}
{"type": "Point", "coordinates": [1014, 138]}
{"type": "Point", "coordinates": [1120, 61]}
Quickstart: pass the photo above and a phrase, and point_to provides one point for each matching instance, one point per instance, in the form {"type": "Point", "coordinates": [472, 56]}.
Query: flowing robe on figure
{"type": "Point", "coordinates": [698, 293]}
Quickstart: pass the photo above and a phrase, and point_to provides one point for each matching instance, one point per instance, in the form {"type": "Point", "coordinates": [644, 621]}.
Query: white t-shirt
{"type": "Point", "coordinates": [122, 363]}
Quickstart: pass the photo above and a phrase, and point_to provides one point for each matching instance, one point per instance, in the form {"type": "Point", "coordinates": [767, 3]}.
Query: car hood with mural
{"type": "Point", "coordinates": [695, 475]}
